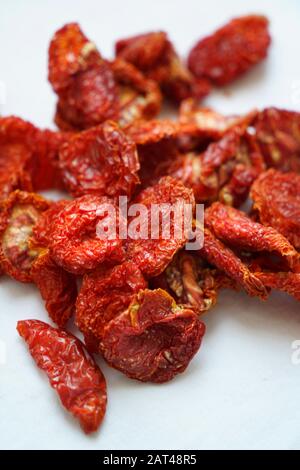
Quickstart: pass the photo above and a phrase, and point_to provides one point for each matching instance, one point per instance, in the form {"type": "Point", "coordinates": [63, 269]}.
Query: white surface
{"type": "Point", "coordinates": [242, 390]}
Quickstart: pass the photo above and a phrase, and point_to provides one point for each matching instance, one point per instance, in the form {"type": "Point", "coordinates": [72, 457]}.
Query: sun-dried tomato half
{"type": "Point", "coordinates": [100, 161]}
{"type": "Point", "coordinates": [15, 155]}
{"type": "Point", "coordinates": [223, 258]}
{"type": "Point", "coordinates": [224, 171]}
{"type": "Point", "coordinates": [104, 294]}
{"type": "Point", "coordinates": [83, 80]}
{"type": "Point", "coordinates": [139, 97]}
{"type": "Point", "coordinates": [85, 234]}
{"type": "Point", "coordinates": [45, 171]}
{"type": "Point", "coordinates": [74, 375]}
{"type": "Point", "coordinates": [91, 99]}
{"type": "Point", "coordinates": [190, 281]}
{"type": "Point", "coordinates": [154, 54]}
{"type": "Point", "coordinates": [235, 228]}
{"type": "Point", "coordinates": [278, 136]}
{"type": "Point", "coordinates": [231, 50]}
{"type": "Point", "coordinates": [57, 287]}
{"type": "Point", "coordinates": [28, 156]}
{"type": "Point", "coordinates": [153, 239]}
{"type": "Point", "coordinates": [19, 214]}
{"type": "Point", "coordinates": [70, 52]}
{"type": "Point", "coordinates": [154, 339]}
{"type": "Point", "coordinates": [276, 198]}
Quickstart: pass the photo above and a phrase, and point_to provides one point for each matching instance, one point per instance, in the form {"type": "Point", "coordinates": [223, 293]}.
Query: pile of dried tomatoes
{"type": "Point", "coordinates": [139, 302]}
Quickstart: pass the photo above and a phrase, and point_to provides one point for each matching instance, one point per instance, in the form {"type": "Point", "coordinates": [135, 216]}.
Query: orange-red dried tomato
{"type": "Point", "coordinates": [152, 253]}
{"type": "Point", "coordinates": [219, 255]}
{"type": "Point", "coordinates": [75, 242]}
{"type": "Point", "coordinates": [154, 54]}
{"type": "Point", "coordinates": [100, 161]}
{"type": "Point", "coordinates": [231, 50]}
{"type": "Point", "coordinates": [235, 228]}
{"type": "Point", "coordinates": [104, 294]}
{"type": "Point", "coordinates": [139, 97]}
{"type": "Point", "coordinates": [19, 214]}
{"type": "Point", "coordinates": [276, 198]}
{"type": "Point", "coordinates": [74, 375]}
{"type": "Point", "coordinates": [57, 287]}
{"type": "Point", "coordinates": [83, 80]}
{"type": "Point", "coordinates": [190, 281]}
{"type": "Point", "coordinates": [277, 132]}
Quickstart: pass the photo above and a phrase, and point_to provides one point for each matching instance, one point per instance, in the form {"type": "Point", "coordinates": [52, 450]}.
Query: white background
{"type": "Point", "coordinates": [242, 390]}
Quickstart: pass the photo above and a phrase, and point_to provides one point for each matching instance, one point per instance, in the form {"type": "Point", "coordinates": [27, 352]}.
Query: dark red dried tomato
{"type": "Point", "coordinates": [152, 253]}
{"type": "Point", "coordinates": [104, 294]}
{"type": "Point", "coordinates": [57, 287]}
{"type": "Point", "coordinates": [139, 97]}
{"type": "Point", "coordinates": [276, 198]}
{"type": "Point", "coordinates": [219, 255]}
{"type": "Point", "coordinates": [19, 214]}
{"type": "Point", "coordinates": [235, 228]}
{"type": "Point", "coordinates": [155, 56]}
{"type": "Point", "coordinates": [75, 241]}
{"type": "Point", "coordinates": [231, 50]}
{"type": "Point", "coordinates": [83, 80]}
{"type": "Point", "coordinates": [190, 281]}
{"type": "Point", "coordinates": [154, 339]}
{"type": "Point", "coordinates": [100, 161]}
{"type": "Point", "coordinates": [75, 376]}
{"type": "Point", "coordinates": [278, 136]}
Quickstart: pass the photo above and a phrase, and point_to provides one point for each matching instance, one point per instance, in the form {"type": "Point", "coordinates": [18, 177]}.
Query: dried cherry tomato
{"type": "Point", "coordinates": [42, 229]}
{"type": "Point", "coordinates": [190, 281]}
{"type": "Point", "coordinates": [45, 171]}
{"type": "Point", "coordinates": [139, 97]}
{"type": "Point", "coordinates": [91, 99]}
{"type": "Point", "coordinates": [219, 255]}
{"type": "Point", "coordinates": [154, 54]}
{"type": "Point", "coordinates": [278, 136]}
{"type": "Point", "coordinates": [276, 198]}
{"type": "Point", "coordinates": [83, 80]}
{"type": "Point", "coordinates": [74, 375]}
{"type": "Point", "coordinates": [235, 228]}
{"type": "Point", "coordinates": [105, 293]}
{"type": "Point", "coordinates": [224, 171]}
{"type": "Point", "coordinates": [28, 156]}
{"type": "Point", "coordinates": [100, 161]}
{"type": "Point", "coordinates": [153, 253]}
{"type": "Point", "coordinates": [231, 50]}
{"type": "Point", "coordinates": [75, 242]}
{"type": "Point", "coordinates": [58, 288]}
{"type": "Point", "coordinates": [19, 214]}
{"type": "Point", "coordinates": [15, 155]}
{"type": "Point", "coordinates": [154, 339]}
